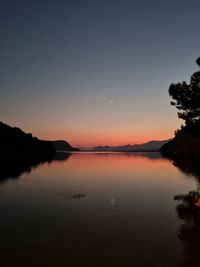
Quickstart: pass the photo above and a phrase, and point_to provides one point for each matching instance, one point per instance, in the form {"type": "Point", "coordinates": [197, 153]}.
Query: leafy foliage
{"type": "Point", "coordinates": [186, 98]}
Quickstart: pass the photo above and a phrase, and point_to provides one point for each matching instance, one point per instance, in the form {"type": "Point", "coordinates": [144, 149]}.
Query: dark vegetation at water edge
{"type": "Point", "coordinates": [185, 147]}
{"type": "Point", "coordinates": [184, 150]}
{"type": "Point", "coordinates": [20, 151]}
{"type": "Point", "coordinates": [14, 143]}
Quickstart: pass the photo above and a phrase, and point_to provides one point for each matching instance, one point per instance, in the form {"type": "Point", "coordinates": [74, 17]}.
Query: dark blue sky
{"type": "Point", "coordinates": [95, 71]}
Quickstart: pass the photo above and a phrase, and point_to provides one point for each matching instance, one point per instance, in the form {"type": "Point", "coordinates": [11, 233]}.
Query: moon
{"type": "Point", "coordinates": [112, 101]}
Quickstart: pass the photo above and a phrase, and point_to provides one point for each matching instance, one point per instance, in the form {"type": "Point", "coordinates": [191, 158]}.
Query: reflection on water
{"type": "Point", "coordinates": [188, 211]}
{"type": "Point", "coordinates": [14, 167]}
{"type": "Point", "coordinates": [93, 209]}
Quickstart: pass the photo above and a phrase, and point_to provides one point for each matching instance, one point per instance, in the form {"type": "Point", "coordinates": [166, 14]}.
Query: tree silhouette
{"type": "Point", "coordinates": [186, 98]}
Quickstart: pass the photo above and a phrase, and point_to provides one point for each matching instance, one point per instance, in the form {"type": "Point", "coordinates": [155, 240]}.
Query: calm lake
{"type": "Point", "coordinates": [94, 209]}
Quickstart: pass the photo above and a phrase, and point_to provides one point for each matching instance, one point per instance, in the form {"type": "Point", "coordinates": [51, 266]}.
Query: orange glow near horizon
{"type": "Point", "coordinates": [92, 140]}
{"type": "Point", "coordinates": [102, 127]}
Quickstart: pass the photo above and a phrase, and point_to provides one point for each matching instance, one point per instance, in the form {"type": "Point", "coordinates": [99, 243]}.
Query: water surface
{"type": "Point", "coordinates": [94, 209]}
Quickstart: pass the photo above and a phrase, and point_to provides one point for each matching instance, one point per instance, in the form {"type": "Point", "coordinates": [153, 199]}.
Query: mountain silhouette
{"type": "Point", "coordinates": [62, 145]}
{"type": "Point", "coordinates": [20, 151]}
{"type": "Point", "coordinates": [16, 143]}
{"type": "Point", "coordinates": [146, 147]}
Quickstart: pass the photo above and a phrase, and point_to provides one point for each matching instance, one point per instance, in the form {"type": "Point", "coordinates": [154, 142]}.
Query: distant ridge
{"type": "Point", "coordinates": [146, 147]}
{"type": "Point", "coordinates": [61, 145]}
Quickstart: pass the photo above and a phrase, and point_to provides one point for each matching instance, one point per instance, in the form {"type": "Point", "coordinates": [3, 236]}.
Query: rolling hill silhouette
{"type": "Point", "coordinates": [16, 143]}
{"type": "Point", "coordinates": [20, 151]}
{"type": "Point", "coordinates": [149, 146]}
{"type": "Point", "coordinates": [61, 145]}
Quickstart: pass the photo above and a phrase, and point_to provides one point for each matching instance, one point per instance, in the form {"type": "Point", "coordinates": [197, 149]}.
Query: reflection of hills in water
{"type": "Point", "coordinates": [188, 211]}
{"type": "Point", "coordinates": [61, 156]}
{"type": "Point", "coordinates": [149, 155]}
{"type": "Point", "coordinates": [14, 167]}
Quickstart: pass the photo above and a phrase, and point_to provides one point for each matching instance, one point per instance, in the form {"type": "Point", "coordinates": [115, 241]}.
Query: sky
{"type": "Point", "coordinates": [95, 72]}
